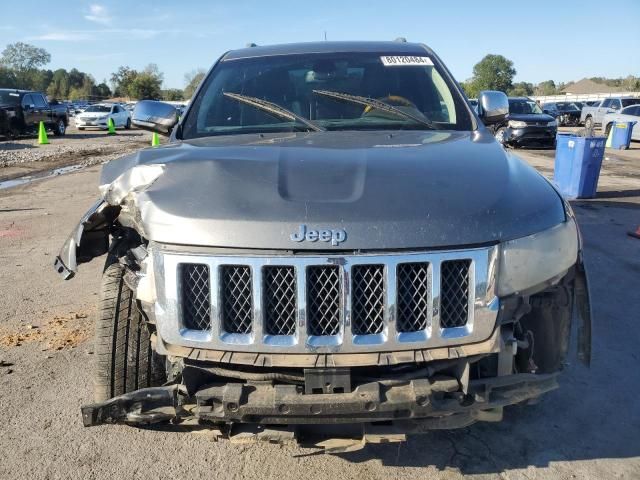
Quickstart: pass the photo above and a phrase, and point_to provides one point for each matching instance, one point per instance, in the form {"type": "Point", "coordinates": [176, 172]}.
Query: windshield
{"type": "Point", "coordinates": [523, 106]}
{"type": "Point", "coordinates": [337, 91]}
{"type": "Point", "coordinates": [630, 101]}
{"type": "Point", "coordinates": [98, 108]}
{"type": "Point", "coordinates": [8, 97]}
{"type": "Point", "coordinates": [567, 107]}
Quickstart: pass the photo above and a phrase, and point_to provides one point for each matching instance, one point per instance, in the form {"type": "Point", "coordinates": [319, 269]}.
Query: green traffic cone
{"type": "Point", "coordinates": [42, 135]}
{"type": "Point", "coordinates": [155, 140]}
{"type": "Point", "coordinates": [112, 127]}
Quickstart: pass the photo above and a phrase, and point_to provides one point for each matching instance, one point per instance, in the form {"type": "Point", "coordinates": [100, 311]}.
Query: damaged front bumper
{"type": "Point", "coordinates": [439, 402]}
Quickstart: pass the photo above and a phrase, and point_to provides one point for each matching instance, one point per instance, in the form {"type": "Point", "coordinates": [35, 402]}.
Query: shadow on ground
{"type": "Point", "coordinates": [593, 414]}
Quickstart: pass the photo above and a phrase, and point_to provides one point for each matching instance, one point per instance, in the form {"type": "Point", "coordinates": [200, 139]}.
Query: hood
{"type": "Point", "coordinates": [92, 114]}
{"type": "Point", "coordinates": [383, 190]}
{"type": "Point", "coordinates": [531, 117]}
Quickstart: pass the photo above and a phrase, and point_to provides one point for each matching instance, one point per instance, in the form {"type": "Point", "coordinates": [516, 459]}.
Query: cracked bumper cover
{"type": "Point", "coordinates": [264, 403]}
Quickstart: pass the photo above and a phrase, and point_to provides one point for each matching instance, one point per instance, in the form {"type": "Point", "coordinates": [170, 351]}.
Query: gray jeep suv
{"type": "Point", "coordinates": [330, 241]}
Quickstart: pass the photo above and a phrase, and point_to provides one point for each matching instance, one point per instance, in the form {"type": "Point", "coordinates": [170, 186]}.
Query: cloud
{"type": "Point", "coordinates": [98, 14]}
{"type": "Point", "coordinates": [62, 36]}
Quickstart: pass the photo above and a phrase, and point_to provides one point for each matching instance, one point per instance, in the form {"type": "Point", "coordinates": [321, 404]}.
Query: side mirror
{"type": "Point", "coordinates": [546, 111]}
{"type": "Point", "coordinates": [493, 106]}
{"type": "Point", "coordinates": [154, 116]}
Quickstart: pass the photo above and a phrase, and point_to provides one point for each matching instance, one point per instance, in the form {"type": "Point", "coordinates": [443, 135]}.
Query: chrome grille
{"type": "Point", "coordinates": [454, 296]}
{"type": "Point", "coordinates": [196, 303]}
{"type": "Point", "coordinates": [367, 299]}
{"type": "Point", "coordinates": [323, 300]}
{"type": "Point", "coordinates": [236, 299]}
{"type": "Point", "coordinates": [279, 300]}
{"type": "Point", "coordinates": [325, 303]}
{"type": "Point", "coordinates": [414, 289]}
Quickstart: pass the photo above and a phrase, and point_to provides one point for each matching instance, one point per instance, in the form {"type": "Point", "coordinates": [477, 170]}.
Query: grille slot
{"type": "Point", "coordinates": [196, 302]}
{"type": "Point", "coordinates": [367, 299]}
{"type": "Point", "coordinates": [279, 300]}
{"type": "Point", "coordinates": [454, 293]}
{"type": "Point", "coordinates": [237, 301]}
{"type": "Point", "coordinates": [414, 288]}
{"type": "Point", "coordinates": [323, 300]}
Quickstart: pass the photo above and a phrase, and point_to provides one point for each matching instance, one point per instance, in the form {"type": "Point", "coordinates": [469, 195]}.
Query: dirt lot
{"type": "Point", "coordinates": [589, 429]}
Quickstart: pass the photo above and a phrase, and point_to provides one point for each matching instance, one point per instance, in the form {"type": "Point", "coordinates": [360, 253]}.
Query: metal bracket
{"type": "Point", "coordinates": [327, 380]}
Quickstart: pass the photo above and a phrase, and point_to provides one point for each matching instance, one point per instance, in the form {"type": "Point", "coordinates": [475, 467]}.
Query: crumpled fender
{"type": "Point", "coordinates": [89, 239]}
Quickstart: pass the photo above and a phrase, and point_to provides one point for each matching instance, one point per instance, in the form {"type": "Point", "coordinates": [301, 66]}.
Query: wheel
{"type": "Point", "coordinates": [60, 128]}
{"type": "Point", "coordinates": [588, 123]}
{"type": "Point", "coordinates": [127, 125]}
{"type": "Point", "coordinates": [124, 359]}
{"type": "Point", "coordinates": [501, 135]}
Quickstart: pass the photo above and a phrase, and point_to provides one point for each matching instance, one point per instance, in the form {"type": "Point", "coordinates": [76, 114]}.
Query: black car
{"type": "Point", "coordinates": [21, 112]}
{"type": "Point", "coordinates": [527, 125]}
{"type": "Point", "coordinates": [566, 113]}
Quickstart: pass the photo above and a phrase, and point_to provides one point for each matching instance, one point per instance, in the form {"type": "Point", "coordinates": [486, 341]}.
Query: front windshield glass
{"type": "Point", "coordinates": [9, 98]}
{"type": "Point", "coordinates": [567, 107]}
{"type": "Point", "coordinates": [333, 91]}
{"type": "Point", "coordinates": [98, 108]}
{"type": "Point", "coordinates": [523, 106]}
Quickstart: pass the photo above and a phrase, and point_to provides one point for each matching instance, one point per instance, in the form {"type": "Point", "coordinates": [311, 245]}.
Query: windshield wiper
{"type": "Point", "coordinates": [377, 104]}
{"type": "Point", "coordinates": [274, 109]}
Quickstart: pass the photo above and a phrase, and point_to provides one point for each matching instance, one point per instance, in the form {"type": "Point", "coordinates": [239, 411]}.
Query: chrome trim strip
{"type": "Point", "coordinates": [483, 303]}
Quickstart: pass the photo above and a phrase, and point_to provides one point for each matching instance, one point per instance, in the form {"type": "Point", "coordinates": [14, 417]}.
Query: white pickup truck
{"type": "Point", "coordinates": [592, 116]}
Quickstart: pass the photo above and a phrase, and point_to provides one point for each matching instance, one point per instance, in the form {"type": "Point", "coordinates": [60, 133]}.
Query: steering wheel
{"type": "Point", "coordinates": [395, 100]}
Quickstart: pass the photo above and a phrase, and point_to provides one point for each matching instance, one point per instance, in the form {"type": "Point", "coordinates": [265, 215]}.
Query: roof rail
{"type": "Point", "coordinates": [401, 40]}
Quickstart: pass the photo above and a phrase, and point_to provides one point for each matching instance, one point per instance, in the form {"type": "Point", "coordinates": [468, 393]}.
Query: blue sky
{"type": "Point", "coordinates": [559, 40]}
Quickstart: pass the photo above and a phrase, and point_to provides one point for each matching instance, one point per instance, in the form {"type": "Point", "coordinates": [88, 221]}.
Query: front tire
{"type": "Point", "coordinates": [60, 128]}
{"type": "Point", "coordinates": [127, 125]}
{"type": "Point", "coordinates": [125, 360]}
{"type": "Point", "coordinates": [588, 123]}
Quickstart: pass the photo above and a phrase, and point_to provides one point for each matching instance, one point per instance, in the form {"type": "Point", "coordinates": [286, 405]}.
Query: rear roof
{"type": "Point", "coordinates": [396, 48]}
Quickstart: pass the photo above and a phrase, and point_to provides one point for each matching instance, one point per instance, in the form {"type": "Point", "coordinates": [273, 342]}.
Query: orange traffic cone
{"type": "Point", "coordinates": [635, 234]}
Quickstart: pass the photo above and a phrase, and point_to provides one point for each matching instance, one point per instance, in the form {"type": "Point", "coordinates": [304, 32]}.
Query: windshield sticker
{"type": "Point", "coordinates": [406, 61]}
{"type": "Point", "coordinates": [14, 94]}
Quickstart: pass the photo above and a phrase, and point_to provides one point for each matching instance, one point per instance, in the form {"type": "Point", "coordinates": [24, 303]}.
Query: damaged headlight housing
{"type": "Point", "coordinates": [533, 260]}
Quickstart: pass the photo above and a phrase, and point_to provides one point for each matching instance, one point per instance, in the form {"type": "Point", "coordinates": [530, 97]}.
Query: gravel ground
{"type": "Point", "coordinates": [589, 429]}
{"type": "Point", "coordinates": [89, 147]}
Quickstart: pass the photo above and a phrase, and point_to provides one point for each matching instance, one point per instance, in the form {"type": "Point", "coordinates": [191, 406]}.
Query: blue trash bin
{"type": "Point", "coordinates": [577, 165]}
{"type": "Point", "coordinates": [620, 135]}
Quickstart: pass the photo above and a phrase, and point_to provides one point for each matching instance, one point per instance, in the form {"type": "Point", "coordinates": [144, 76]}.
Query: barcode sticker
{"type": "Point", "coordinates": [405, 61]}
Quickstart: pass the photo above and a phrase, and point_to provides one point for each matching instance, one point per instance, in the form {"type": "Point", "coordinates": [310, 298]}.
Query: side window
{"type": "Point", "coordinates": [606, 103]}
{"type": "Point", "coordinates": [116, 109]}
{"type": "Point", "coordinates": [632, 111]}
{"type": "Point", "coordinates": [615, 104]}
{"type": "Point", "coordinates": [27, 100]}
{"type": "Point", "coordinates": [39, 101]}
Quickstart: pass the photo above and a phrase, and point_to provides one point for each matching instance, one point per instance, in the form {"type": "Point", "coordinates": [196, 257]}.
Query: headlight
{"type": "Point", "coordinates": [529, 261]}
{"type": "Point", "coordinates": [517, 124]}
{"type": "Point", "coordinates": [552, 123]}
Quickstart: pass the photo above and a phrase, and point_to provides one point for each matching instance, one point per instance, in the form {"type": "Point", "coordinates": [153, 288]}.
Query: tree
{"type": "Point", "coordinates": [172, 94]}
{"type": "Point", "coordinates": [59, 86]}
{"type": "Point", "coordinates": [121, 81]}
{"type": "Point", "coordinates": [548, 87]}
{"type": "Point", "coordinates": [24, 60]}
{"type": "Point", "coordinates": [147, 84]}
{"type": "Point", "coordinates": [493, 72]}
{"type": "Point", "coordinates": [102, 91]}
{"type": "Point", "coordinates": [193, 80]}
{"type": "Point", "coordinates": [521, 89]}
{"type": "Point", "coordinates": [7, 78]}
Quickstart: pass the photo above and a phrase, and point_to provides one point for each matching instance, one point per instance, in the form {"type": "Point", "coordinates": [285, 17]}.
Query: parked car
{"type": "Point", "coordinates": [627, 114]}
{"type": "Point", "coordinates": [23, 110]}
{"type": "Point", "coordinates": [332, 236]}
{"type": "Point", "coordinates": [97, 116]}
{"type": "Point", "coordinates": [526, 125]}
{"type": "Point", "coordinates": [592, 116]}
{"type": "Point", "coordinates": [565, 113]}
